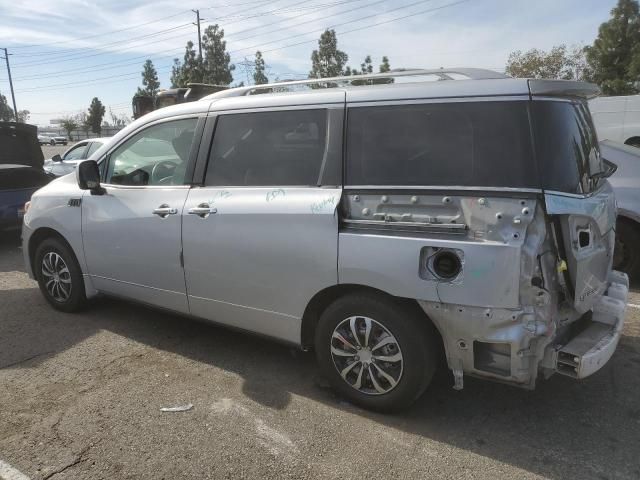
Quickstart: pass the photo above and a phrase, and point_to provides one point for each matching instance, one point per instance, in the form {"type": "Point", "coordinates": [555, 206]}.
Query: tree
{"type": "Point", "coordinates": [259, 76]}
{"type": "Point", "coordinates": [23, 116]}
{"type": "Point", "coordinates": [614, 57]}
{"type": "Point", "coordinates": [385, 66]}
{"type": "Point", "coordinates": [216, 64]}
{"type": "Point", "coordinates": [559, 62]}
{"type": "Point", "coordinates": [95, 115]}
{"type": "Point", "coordinates": [327, 60]}
{"type": "Point", "coordinates": [149, 81]}
{"type": "Point", "coordinates": [189, 71]}
{"type": "Point", "coordinates": [118, 120]}
{"type": "Point", "coordinates": [69, 124]}
{"type": "Point", "coordinates": [366, 67]}
{"type": "Point", "coordinates": [6, 112]}
{"type": "Point", "coordinates": [83, 122]}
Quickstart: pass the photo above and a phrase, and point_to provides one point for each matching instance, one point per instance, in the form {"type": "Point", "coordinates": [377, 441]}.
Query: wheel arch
{"type": "Point", "coordinates": [623, 216]}
{"type": "Point", "coordinates": [325, 297]}
{"type": "Point", "coordinates": [41, 234]}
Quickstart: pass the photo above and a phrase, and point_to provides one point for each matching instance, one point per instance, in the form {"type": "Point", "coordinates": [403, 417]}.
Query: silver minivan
{"type": "Point", "coordinates": [381, 222]}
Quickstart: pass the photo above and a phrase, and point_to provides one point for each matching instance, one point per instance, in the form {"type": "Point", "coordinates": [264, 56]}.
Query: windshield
{"type": "Point", "coordinates": [566, 146]}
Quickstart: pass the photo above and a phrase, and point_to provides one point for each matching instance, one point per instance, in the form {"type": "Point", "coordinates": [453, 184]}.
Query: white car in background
{"type": "Point", "coordinates": [626, 184]}
{"type": "Point", "coordinates": [46, 140]}
{"type": "Point", "coordinates": [59, 165]}
{"type": "Point", "coordinates": [617, 118]}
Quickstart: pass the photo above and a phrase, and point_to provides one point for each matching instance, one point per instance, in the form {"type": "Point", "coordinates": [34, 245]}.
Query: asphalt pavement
{"type": "Point", "coordinates": [80, 398]}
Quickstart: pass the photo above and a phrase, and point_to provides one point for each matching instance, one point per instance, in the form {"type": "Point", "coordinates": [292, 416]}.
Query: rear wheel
{"type": "Point", "coordinates": [376, 351]}
{"type": "Point", "coordinates": [59, 275]}
{"type": "Point", "coordinates": [52, 143]}
{"type": "Point", "coordinates": [626, 257]}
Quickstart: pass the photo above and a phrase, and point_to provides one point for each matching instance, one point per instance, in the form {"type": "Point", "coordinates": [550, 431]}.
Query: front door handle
{"type": "Point", "coordinates": [203, 210]}
{"type": "Point", "coordinates": [163, 210]}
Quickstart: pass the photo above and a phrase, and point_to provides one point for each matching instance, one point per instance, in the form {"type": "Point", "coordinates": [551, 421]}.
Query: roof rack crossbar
{"type": "Point", "coordinates": [442, 73]}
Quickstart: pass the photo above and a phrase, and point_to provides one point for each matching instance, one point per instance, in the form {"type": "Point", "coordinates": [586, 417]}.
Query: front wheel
{"type": "Point", "coordinates": [376, 351]}
{"type": "Point", "coordinates": [59, 275]}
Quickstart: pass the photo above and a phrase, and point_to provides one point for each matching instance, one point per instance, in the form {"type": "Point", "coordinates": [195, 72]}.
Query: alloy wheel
{"type": "Point", "coordinates": [56, 276]}
{"type": "Point", "coordinates": [367, 355]}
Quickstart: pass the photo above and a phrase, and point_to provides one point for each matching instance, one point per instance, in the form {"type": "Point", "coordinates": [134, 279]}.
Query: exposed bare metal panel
{"type": "Point", "coordinates": [507, 297]}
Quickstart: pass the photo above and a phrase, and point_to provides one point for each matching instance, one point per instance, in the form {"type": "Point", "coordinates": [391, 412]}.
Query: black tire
{"type": "Point", "coordinates": [415, 338]}
{"type": "Point", "coordinates": [76, 297]}
{"type": "Point", "coordinates": [52, 143]}
{"type": "Point", "coordinates": [626, 257]}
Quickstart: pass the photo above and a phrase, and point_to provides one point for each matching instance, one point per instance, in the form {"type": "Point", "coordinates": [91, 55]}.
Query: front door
{"type": "Point", "coordinates": [132, 233]}
{"type": "Point", "coordinates": [260, 237]}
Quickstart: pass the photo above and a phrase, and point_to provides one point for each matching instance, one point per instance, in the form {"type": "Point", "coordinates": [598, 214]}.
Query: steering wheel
{"type": "Point", "coordinates": [162, 172]}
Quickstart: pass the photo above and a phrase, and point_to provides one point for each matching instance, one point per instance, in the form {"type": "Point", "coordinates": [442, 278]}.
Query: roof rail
{"type": "Point", "coordinates": [357, 80]}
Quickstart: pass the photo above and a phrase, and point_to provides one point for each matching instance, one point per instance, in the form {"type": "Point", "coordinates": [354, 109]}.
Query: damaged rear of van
{"type": "Point", "coordinates": [495, 214]}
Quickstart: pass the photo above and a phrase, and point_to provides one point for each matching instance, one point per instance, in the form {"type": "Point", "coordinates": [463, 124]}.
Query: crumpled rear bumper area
{"type": "Point", "coordinates": [591, 348]}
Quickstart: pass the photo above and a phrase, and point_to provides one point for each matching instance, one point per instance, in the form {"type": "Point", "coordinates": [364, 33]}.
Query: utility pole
{"type": "Point", "coordinates": [13, 96]}
{"type": "Point", "coordinates": [249, 67]}
{"type": "Point", "coordinates": [197, 12]}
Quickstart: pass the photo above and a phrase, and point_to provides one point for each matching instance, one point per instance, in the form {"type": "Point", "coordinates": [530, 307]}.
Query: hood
{"type": "Point", "coordinates": [19, 145]}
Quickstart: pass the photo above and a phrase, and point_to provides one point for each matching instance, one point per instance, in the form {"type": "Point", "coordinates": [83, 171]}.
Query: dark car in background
{"type": "Point", "coordinates": [21, 171]}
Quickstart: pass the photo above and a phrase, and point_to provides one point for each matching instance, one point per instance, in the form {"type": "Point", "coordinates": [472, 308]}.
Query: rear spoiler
{"type": "Point", "coordinates": [563, 88]}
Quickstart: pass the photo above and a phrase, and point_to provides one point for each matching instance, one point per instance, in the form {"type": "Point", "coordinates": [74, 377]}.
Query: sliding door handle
{"type": "Point", "coordinates": [203, 210]}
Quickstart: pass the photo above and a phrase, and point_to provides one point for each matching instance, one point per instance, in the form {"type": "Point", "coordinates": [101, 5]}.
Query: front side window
{"type": "Point", "coordinates": [268, 148]}
{"type": "Point", "coordinates": [471, 144]}
{"type": "Point", "coordinates": [76, 153]}
{"type": "Point", "coordinates": [158, 155]}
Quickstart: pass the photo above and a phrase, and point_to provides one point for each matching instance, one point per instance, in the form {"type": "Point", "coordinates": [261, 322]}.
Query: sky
{"type": "Point", "coordinates": [63, 53]}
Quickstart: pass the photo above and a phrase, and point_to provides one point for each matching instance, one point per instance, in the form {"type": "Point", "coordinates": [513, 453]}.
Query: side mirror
{"type": "Point", "coordinates": [56, 158]}
{"type": "Point", "coordinates": [88, 177]}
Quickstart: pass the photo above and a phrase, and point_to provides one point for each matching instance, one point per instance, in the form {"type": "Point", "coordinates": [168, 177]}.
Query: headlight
{"type": "Point", "coordinates": [27, 206]}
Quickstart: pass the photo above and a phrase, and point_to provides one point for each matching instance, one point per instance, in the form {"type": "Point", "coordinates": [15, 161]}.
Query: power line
{"type": "Point", "coordinates": [304, 23]}
{"type": "Point", "coordinates": [65, 53]}
{"type": "Point", "coordinates": [128, 75]}
{"type": "Point", "coordinates": [102, 66]}
{"type": "Point", "coordinates": [71, 57]}
{"type": "Point", "coordinates": [58, 86]}
{"type": "Point", "coordinates": [336, 25]}
{"type": "Point", "coordinates": [84, 68]}
{"type": "Point", "coordinates": [104, 33]}
{"type": "Point", "coordinates": [372, 25]}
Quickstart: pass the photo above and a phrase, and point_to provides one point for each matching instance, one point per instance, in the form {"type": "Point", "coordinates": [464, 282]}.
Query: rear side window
{"type": "Point", "coordinates": [566, 145]}
{"type": "Point", "coordinates": [268, 148]}
{"type": "Point", "coordinates": [484, 144]}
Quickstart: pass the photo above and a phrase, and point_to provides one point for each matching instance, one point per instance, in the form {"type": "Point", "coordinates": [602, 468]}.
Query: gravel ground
{"type": "Point", "coordinates": [81, 395]}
